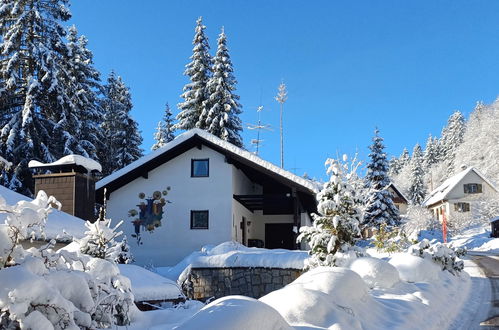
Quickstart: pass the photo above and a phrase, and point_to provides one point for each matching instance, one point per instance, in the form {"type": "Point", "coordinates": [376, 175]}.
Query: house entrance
{"type": "Point", "coordinates": [279, 236]}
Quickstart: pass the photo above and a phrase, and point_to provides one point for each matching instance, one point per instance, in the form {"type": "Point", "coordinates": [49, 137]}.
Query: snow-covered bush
{"type": "Point", "coordinates": [390, 239]}
{"type": "Point", "coordinates": [418, 218]}
{"type": "Point", "coordinates": [336, 227]}
{"type": "Point", "coordinates": [44, 289]}
{"type": "Point", "coordinates": [375, 272]}
{"type": "Point", "coordinates": [415, 269]}
{"type": "Point", "coordinates": [446, 256]}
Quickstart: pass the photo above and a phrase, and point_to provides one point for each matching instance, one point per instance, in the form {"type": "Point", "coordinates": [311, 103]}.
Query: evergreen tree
{"type": "Point", "coordinates": [220, 111]}
{"type": "Point", "coordinates": [394, 166]}
{"type": "Point", "coordinates": [122, 139]}
{"type": "Point", "coordinates": [417, 191]}
{"type": "Point", "coordinates": [404, 158]}
{"type": "Point", "coordinates": [336, 227]}
{"type": "Point", "coordinates": [164, 131]}
{"type": "Point", "coordinates": [379, 207]}
{"type": "Point", "coordinates": [431, 154]}
{"type": "Point", "coordinates": [452, 137]}
{"type": "Point", "coordinates": [199, 72]}
{"type": "Point", "coordinates": [32, 99]}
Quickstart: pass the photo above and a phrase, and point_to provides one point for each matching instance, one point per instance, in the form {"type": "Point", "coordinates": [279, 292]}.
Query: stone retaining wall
{"type": "Point", "coordinates": [204, 283]}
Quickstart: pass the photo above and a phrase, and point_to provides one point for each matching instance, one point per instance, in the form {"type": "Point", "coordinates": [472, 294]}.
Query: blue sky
{"type": "Point", "coordinates": [403, 66]}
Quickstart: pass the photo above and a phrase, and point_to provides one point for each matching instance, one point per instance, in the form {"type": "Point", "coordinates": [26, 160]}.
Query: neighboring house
{"type": "Point", "coordinates": [199, 190]}
{"type": "Point", "coordinates": [398, 198]}
{"type": "Point", "coordinates": [460, 194]}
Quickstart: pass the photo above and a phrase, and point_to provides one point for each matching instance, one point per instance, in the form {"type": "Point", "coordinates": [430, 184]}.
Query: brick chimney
{"type": "Point", "coordinates": [71, 180]}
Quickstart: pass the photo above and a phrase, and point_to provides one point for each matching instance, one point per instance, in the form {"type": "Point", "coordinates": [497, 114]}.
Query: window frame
{"type": "Point", "coordinates": [207, 216]}
{"type": "Point", "coordinates": [477, 188]}
{"type": "Point", "coordinates": [462, 207]}
{"type": "Point", "coordinates": [207, 160]}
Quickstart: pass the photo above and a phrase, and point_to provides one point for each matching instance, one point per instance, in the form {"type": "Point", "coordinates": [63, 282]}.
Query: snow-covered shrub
{"type": "Point", "coordinates": [446, 256]}
{"type": "Point", "coordinates": [99, 240]}
{"type": "Point", "coordinates": [44, 289]}
{"type": "Point", "coordinates": [336, 227]}
{"type": "Point", "coordinates": [418, 218]}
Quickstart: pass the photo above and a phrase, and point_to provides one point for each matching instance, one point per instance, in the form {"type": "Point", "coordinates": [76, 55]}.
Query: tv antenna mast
{"type": "Point", "coordinates": [259, 126]}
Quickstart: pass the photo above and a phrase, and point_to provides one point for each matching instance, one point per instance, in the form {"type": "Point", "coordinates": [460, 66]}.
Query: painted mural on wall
{"type": "Point", "coordinates": [149, 214]}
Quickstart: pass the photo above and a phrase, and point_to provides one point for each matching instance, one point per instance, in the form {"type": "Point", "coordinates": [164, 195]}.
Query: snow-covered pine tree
{"type": "Point", "coordinates": [431, 155]}
{"type": "Point", "coordinates": [122, 139]}
{"type": "Point", "coordinates": [417, 190]}
{"type": "Point", "coordinates": [84, 82]}
{"type": "Point", "coordinates": [452, 137]}
{"type": "Point", "coordinates": [394, 166]}
{"type": "Point", "coordinates": [404, 158]}
{"type": "Point", "coordinates": [164, 130]}
{"type": "Point", "coordinates": [379, 206]}
{"type": "Point", "coordinates": [32, 96]}
{"type": "Point", "coordinates": [336, 226]}
{"type": "Point", "coordinates": [199, 72]}
{"type": "Point", "coordinates": [220, 114]}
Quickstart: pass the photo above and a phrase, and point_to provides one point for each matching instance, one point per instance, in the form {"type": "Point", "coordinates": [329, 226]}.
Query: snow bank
{"type": "Point", "coordinates": [60, 225]}
{"type": "Point", "coordinates": [147, 286]}
{"type": "Point", "coordinates": [89, 164]}
{"type": "Point", "coordinates": [236, 312]}
{"type": "Point", "coordinates": [375, 272]}
{"type": "Point", "coordinates": [415, 269]}
{"type": "Point", "coordinates": [233, 254]}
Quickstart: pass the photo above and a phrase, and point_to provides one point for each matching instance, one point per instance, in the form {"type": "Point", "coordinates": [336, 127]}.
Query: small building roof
{"type": "Point", "coordinates": [442, 191]}
{"type": "Point", "coordinates": [193, 138]}
{"type": "Point", "coordinates": [494, 219]}
{"type": "Point", "coordinates": [399, 193]}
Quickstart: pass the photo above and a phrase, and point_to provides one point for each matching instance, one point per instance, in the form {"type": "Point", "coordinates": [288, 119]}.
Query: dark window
{"type": "Point", "coordinates": [199, 219]}
{"type": "Point", "coordinates": [472, 188]}
{"type": "Point", "coordinates": [462, 207]}
{"type": "Point", "coordinates": [200, 168]}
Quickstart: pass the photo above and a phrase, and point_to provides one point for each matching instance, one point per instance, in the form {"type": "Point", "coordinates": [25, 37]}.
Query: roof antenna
{"type": "Point", "coordinates": [258, 126]}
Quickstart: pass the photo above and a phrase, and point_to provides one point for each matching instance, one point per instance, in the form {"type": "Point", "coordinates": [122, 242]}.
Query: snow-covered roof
{"type": "Point", "coordinates": [89, 164]}
{"type": "Point", "coordinates": [60, 225]}
{"type": "Point", "coordinates": [392, 185]}
{"type": "Point", "coordinates": [441, 192]}
{"type": "Point", "coordinates": [214, 140]}
{"type": "Point", "coordinates": [494, 219]}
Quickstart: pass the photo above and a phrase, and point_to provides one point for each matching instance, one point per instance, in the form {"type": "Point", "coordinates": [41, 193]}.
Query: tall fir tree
{"type": "Point", "coordinates": [394, 166]}
{"type": "Point", "coordinates": [199, 72]}
{"type": "Point", "coordinates": [380, 208]}
{"type": "Point", "coordinates": [452, 136]}
{"type": "Point", "coordinates": [220, 114]}
{"type": "Point", "coordinates": [122, 139]}
{"type": "Point", "coordinates": [417, 190]}
{"type": "Point", "coordinates": [164, 132]}
{"type": "Point", "coordinates": [404, 158]}
{"type": "Point", "coordinates": [431, 155]}
{"type": "Point", "coordinates": [33, 97]}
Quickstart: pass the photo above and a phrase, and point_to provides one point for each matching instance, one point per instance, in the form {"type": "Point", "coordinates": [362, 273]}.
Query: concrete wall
{"type": "Point", "coordinates": [174, 240]}
{"type": "Point", "coordinates": [204, 283]}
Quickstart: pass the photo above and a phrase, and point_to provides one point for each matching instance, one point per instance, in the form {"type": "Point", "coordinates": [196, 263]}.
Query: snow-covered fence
{"type": "Point", "coordinates": [255, 282]}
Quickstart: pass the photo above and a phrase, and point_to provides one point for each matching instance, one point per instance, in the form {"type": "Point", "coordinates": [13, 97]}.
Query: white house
{"type": "Point", "coordinates": [460, 194]}
{"type": "Point", "coordinates": [199, 190]}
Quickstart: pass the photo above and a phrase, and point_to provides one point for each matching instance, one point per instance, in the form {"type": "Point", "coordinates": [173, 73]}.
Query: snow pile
{"type": "Point", "coordinates": [55, 290]}
{"type": "Point", "coordinates": [376, 272]}
{"type": "Point", "coordinates": [87, 163]}
{"type": "Point", "coordinates": [236, 312]}
{"type": "Point", "coordinates": [233, 254]}
{"type": "Point", "coordinates": [147, 286]}
{"type": "Point", "coordinates": [476, 238]}
{"type": "Point", "coordinates": [59, 225]}
{"type": "Point", "coordinates": [414, 269]}
{"type": "Point", "coordinates": [442, 254]}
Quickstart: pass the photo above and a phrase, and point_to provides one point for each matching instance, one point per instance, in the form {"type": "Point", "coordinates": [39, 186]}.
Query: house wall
{"type": "Point", "coordinates": [174, 239]}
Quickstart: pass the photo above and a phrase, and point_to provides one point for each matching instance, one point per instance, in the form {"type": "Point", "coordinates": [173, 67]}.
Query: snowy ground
{"type": "Point", "coordinates": [389, 293]}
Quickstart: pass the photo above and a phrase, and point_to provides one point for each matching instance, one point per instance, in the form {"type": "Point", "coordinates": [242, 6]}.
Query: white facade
{"type": "Point", "coordinates": [174, 239]}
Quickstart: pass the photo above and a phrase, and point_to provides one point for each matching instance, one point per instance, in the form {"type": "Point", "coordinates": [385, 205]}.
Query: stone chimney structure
{"type": "Point", "coordinates": [71, 180]}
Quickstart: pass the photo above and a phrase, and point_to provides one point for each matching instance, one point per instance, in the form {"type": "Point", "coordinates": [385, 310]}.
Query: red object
{"type": "Point", "coordinates": [444, 226]}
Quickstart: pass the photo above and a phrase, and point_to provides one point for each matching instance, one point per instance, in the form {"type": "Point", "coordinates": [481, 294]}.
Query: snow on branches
{"type": "Point", "coordinates": [336, 226]}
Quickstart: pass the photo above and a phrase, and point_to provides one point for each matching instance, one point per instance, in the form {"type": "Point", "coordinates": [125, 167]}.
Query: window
{"type": "Point", "coordinates": [462, 207]}
{"type": "Point", "coordinates": [200, 168]}
{"type": "Point", "coordinates": [199, 219]}
{"type": "Point", "coordinates": [472, 188]}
